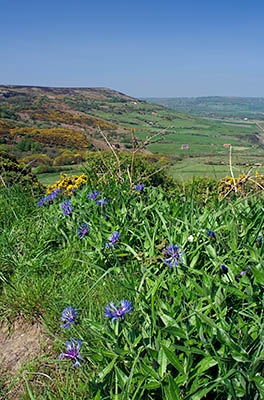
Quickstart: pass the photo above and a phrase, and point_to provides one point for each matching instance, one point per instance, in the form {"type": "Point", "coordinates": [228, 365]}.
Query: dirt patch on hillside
{"type": "Point", "coordinates": [19, 344]}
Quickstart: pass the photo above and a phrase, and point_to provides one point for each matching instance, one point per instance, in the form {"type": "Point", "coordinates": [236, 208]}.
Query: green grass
{"type": "Point", "coordinates": [195, 332]}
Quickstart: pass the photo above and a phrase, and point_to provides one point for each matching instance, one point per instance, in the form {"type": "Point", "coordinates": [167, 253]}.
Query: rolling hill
{"type": "Point", "coordinates": [57, 126]}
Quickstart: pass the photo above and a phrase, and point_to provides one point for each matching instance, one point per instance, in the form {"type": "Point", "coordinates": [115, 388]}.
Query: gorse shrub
{"type": "Point", "coordinates": [241, 185]}
{"type": "Point", "coordinates": [12, 173]}
{"type": "Point", "coordinates": [68, 184]}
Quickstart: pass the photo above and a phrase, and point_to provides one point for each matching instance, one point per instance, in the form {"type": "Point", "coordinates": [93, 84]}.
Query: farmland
{"type": "Point", "coordinates": [57, 126]}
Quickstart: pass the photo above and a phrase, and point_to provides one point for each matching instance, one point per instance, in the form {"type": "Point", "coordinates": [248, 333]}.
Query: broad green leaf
{"type": "Point", "coordinates": [173, 359]}
{"type": "Point", "coordinates": [162, 360]}
{"type": "Point", "coordinates": [107, 369]}
{"type": "Point", "coordinates": [206, 363]}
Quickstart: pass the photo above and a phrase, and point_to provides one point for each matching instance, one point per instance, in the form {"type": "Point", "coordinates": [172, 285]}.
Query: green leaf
{"type": "Point", "coordinates": [211, 251]}
{"type": "Point", "coordinates": [172, 391]}
{"type": "Point", "coordinates": [122, 377]}
{"type": "Point", "coordinates": [206, 363]}
{"type": "Point", "coordinates": [152, 385]}
{"type": "Point", "coordinates": [173, 359]}
{"type": "Point", "coordinates": [97, 396]}
{"type": "Point", "coordinates": [162, 360]}
{"type": "Point", "coordinates": [194, 260]}
{"type": "Point", "coordinates": [259, 381]}
{"type": "Point", "coordinates": [107, 369]}
{"type": "Point", "coordinates": [258, 275]}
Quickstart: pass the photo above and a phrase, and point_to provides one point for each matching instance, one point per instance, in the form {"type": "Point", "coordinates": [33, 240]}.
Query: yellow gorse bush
{"type": "Point", "coordinates": [243, 184]}
{"type": "Point", "coordinates": [68, 184]}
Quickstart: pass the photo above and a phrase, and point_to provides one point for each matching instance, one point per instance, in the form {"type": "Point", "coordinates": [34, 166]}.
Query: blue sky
{"type": "Point", "coordinates": [142, 48]}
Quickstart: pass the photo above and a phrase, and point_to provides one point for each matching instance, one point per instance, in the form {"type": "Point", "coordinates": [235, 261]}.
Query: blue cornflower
{"type": "Point", "coordinates": [117, 313]}
{"type": "Point", "coordinates": [82, 230]}
{"type": "Point", "coordinates": [93, 195]}
{"type": "Point", "coordinates": [112, 239]}
{"type": "Point", "coordinates": [102, 202]}
{"type": "Point", "coordinates": [66, 207]}
{"type": "Point", "coordinates": [211, 234]}
{"type": "Point", "coordinates": [259, 239]}
{"type": "Point", "coordinates": [69, 316]}
{"type": "Point", "coordinates": [49, 198]}
{"type": "Point", "coordinates": [176, 255]}
{"type": "Point", "coordinates": [224, 269]}
{"type": "Point", "coordinates": [73, 351]}
{"type": "Point", "coordinates": [139, 186]}
{"type": "Point", "coordinates": [41, 202]}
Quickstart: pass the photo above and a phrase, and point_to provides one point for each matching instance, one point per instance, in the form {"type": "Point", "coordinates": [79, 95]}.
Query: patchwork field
{"type": "Point", "coordinates": [55, 127]}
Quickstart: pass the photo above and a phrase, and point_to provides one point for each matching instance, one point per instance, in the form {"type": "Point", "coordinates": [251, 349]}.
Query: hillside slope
{"type": "Point", "coordinates": [56, 126]}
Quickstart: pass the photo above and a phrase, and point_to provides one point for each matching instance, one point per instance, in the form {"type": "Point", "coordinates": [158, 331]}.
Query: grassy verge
{"type": "Point", "coordinates": [190, 277]}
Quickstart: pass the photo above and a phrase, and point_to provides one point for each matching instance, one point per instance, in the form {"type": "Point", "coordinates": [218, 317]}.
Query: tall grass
{"type": "Point", "coordinates": [195, 331]}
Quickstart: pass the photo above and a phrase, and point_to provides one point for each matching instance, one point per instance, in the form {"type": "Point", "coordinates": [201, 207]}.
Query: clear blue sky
{"type": "Point", "coordinates": [165, 48]}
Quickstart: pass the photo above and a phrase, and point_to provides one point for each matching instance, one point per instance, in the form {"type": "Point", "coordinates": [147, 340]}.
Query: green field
{"type": "Point", "coordinates": [215, 106]}
{"type": "Point", "coordinates": [204, 137]}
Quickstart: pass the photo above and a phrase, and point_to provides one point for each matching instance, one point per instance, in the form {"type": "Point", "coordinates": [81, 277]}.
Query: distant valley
{"type": "Point", "coordinates": [52, 128]}
{"type": "Point", "coordinates": [249, 108]}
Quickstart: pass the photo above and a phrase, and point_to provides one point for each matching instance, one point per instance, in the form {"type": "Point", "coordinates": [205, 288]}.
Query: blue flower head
{"type": "Point", "coordinates": [176, 255]}
{"type": "Point", "coordinates": [69, 316]}
{"type": "Point", "coordinates": [139, 186]}
{"type": "Point", "coordinates": [102, 202]}
{"type": "Point", "coordinates": [211, 234]}
{"type": "Point", "coordinates": [93, 195]}
{"type": "Point", "coordinates": [118, 313]}
{"type": "Point", "coordinates": [73, 352]}
{"type": "Point", "coordinates": [83, 230]}
{"type": "Point", "coordinates": [41, 202]}
{"type": "Point", "coordinates": [49, 198]}
{"type": "Point", "coordinates": [224, 269]}
{"type": "Point", "coordinates": [112, 239]}
{"type": "Point", "coordinates": [66, 207]}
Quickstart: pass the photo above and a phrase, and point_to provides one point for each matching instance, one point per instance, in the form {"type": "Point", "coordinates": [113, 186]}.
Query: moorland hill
{"type": "Point", "coordinates": [56, 126]}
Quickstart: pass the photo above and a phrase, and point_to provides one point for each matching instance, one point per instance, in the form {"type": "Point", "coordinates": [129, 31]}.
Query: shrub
{"type": "Point", "coordinates": [146, 169]}
{"type": "Point", "coordinates": [12, 172]}
{"type": "Point", "coordinates": [37, 159]}
{"type": "Point", "coordinates": [68, 184]}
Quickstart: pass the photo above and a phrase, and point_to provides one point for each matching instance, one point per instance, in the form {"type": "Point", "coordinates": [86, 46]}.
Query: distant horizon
{"type": "Point", "coordinates": [126, 94]}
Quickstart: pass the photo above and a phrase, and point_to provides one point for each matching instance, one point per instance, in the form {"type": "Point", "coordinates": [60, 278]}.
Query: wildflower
{"type": "Point", "coordinates": [224, 269]}
{"type": "Point", "coordinates": [106, 216]}
{"type": "Point", "coordinates": [66, 207]}
{"type": "Point", "coordinates": [82, 230]}
{"type": "Point", "coordinates": [112, 239]}
{"type": "Point", "coordinates": [93, 195]}
{"type": "Point", "coordinates": [102, 202]}
{"type": "Point", "coordinates": [259, 239]}
{"type": "Point", "coordinates": [69, 315]}
{"type": "Point", "coordinates": [139, 187]}
{"type": "Point", "coordinates": [41, 202]}
{"type": "Point", "coordinates": [176, 255]}
{"type": "Point", "coordinates": [237, 277]}
{"type": "Point", "coordinates": [117, 313]}
{"type": "Point", "coordinates": [48, 198]}
{"type": "Point", "coordinates": [190, 238]}
{"type": "Point", "coordinates": [73, 352]}
{"type": "Point", "coordinates": [211, 234]}
{"type": "Point", "coordinates": [242, 273]}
